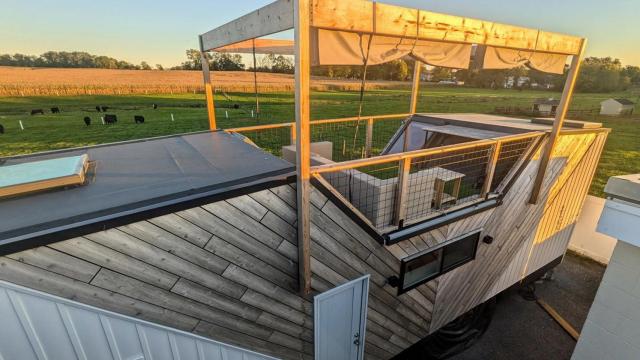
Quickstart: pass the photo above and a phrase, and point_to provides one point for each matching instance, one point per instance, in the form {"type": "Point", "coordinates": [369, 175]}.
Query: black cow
{"type": "Point", "coordinates": [87, 120]}
{"type": "Point", "coordinates": [55, 110]}
{"type": "Point", "coordinates": [37, 111]}
{"type": "Point", "coordinates": [1, 129]}
{"type": "Point", "coordinates": [110, 119]}
{"type": "Point", "coordinates": [139, 119]}
{"type": "Point", "coordinates": [155, 106]}
{"type": "Point", "coordinates": [98, 108]}
{"type": "Point", "coordinates": [104, 108]}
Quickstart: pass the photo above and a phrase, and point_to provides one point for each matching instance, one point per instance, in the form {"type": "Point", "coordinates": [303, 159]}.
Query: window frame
{"type": "Point", "coordinates": [404, 262]}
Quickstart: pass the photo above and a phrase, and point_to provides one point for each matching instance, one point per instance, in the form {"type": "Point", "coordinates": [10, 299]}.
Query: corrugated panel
{"type": "Point", "coordinates": [44, 327]}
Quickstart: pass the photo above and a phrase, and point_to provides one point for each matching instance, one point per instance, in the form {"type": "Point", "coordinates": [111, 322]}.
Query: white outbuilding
{"type": "Point", "coordinates": [617, 107]}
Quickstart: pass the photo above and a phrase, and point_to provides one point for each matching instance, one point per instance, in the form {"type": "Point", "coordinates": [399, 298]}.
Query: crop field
{"type": "Point", "coordinates": [180, 113]}
{"type": "Point", "coordinates": [17, 81]}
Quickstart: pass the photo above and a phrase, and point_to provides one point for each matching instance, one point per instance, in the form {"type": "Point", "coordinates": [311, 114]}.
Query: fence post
{"type": "Point", "coordinates": [491, 168]}
{"type": "Point", "coordinates": [402, 191]}
{"type": "Point", "coordinates": [369, 139]}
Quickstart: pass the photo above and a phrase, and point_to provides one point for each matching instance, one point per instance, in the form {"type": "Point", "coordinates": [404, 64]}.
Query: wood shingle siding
{"type": "Point", "coordinates": [228, 270]}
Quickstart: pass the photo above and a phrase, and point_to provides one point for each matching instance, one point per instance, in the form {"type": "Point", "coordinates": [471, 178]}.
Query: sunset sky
{"type": "Point", "coordinates": [160, 31]}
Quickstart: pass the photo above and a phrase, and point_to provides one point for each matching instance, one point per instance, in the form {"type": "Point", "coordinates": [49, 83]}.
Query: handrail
{"type": "Point", "coordinates": [317, 122]}
{"type": "Point", "coordinates": [418, 153]}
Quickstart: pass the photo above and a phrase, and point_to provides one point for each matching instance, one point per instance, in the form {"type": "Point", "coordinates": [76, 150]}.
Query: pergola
{"type": "Point", "coordinates": [349, 32]}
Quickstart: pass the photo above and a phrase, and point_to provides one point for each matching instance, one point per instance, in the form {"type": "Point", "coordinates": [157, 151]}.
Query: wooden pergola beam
{"type": "Point", "coordinates": [415, 88]}
{"type": "Point", "coordinates": [364, 16]}
{"type": "Point", "coordinates": [302, 35]}
{"type": "Point", "coordinates": [270, 19]}
{"type": "Point", "coordinates": [208, 88]}
{"type": "Point", "coordinates": [561, 113]}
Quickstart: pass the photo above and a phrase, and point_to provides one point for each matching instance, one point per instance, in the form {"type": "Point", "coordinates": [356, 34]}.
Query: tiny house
{"type": "Point", "coordinates": [378, 232]}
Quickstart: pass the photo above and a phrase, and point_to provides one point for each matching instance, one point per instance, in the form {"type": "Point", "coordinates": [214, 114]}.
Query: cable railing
{"type": "Point", "coordinates": [395, 190]}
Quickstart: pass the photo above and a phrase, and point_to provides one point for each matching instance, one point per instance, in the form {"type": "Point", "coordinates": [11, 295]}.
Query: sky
{"type": "Point", "coordinates": [159, 31]}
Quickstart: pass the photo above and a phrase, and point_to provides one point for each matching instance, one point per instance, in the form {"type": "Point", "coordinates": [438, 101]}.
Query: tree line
{"type": "Point", "coordinates": [71, 59]}
{"type": "Point", "coordinates": [596, 75]}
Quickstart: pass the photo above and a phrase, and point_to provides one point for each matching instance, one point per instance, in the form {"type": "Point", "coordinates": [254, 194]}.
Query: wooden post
{"type": "Point", "coordinates": [561, 113]}
{"type": "Point", "coordinates": [368, 142]}
{"type": "Point", "coordinates": [491, 168]}
{"type": "Point", "coordinates": [415, 88]}
{"type": "Point", "coordinates": [293, 133]}
{"type": "Point", "coordinates": [255, 77]}
{"type": "Point", "coordinates": [301, 10]}
{"type": "Point", "coordinates": [208, 90]}
{"type": "Point", "coordinates": [402, 190]}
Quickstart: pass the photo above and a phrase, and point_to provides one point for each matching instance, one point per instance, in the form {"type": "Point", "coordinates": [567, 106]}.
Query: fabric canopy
{"type": "Point", "coordinates": [347, 48]}
{"type": "Point", "coordinates": [502, 58]}
{"type": "Point", "coordinates": [330, 47]}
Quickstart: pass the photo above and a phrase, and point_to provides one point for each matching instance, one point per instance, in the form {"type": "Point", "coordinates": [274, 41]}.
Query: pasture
{"type": "Point", "coordinates": [67, 129]}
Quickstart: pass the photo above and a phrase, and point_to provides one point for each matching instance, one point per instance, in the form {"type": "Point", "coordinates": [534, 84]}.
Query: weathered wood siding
{"type": "Point", "coordinates": [228, 270]}
{"type": "Point", "coordinates": [526, 236]}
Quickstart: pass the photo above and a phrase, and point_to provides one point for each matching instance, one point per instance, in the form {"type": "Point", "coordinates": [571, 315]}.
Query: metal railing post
{"type": "Point", "coordinates": [491, 168]}
{"type": "Point", "coordinates": [369, 139]}
{"type": "Point", "coordinates": [402, 191]}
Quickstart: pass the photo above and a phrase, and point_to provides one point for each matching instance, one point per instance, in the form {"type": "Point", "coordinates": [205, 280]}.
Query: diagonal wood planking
{"type": "Point", "coordinates": [228, 270]}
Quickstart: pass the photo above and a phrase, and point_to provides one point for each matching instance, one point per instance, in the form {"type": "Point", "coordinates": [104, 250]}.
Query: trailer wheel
{"type": "Point", "coordinates": [455, 337]}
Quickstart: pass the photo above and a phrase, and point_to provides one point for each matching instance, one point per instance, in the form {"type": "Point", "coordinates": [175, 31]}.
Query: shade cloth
{"type": "Point", "coordinates": [503, 58]}
{"type": "Point", "coordinates": [347, 48]}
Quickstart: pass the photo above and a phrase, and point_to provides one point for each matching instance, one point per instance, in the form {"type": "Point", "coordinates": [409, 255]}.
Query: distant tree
{"type": "Point", "coordinates": [633, 73]}
{"type": "Point", "coordinates": [159, 67]}
{"type": "Point", "coordinates": [600, 75]}
{"type": "Point", "coordinates": [145, 66]}
{"type": "Point", "coordinates": [277, 64]}
{"type": "Point", "coordinates": [226, 62]}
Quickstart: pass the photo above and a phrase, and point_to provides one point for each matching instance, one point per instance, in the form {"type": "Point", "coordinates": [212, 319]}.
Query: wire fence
{"type": "Point", "coordinates": [350, 138]}
{"type": "Point", "coordinates": [397, 189]}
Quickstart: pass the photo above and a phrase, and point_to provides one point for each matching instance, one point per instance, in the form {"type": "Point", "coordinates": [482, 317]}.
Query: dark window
{"type": "Point", "coordinates": [459, 252]}
{"type": "Point", "coordinates": [422, 267]}
{"type": "Point", "coordinates": [425, 266]}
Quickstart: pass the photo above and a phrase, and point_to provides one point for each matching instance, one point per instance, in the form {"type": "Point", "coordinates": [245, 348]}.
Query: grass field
{"type": "Point", "coordinates": [55, 131]}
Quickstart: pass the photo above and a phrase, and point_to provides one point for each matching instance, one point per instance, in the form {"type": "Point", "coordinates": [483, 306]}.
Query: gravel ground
{"type": "Point", "coordinates": [522, 330]}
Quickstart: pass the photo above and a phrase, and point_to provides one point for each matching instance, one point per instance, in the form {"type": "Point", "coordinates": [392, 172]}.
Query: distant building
{"type": "Point", "coordinates": [617, 107]}
{"type": "Point", "coordinates": [546, 106]}
{"type": "Point", "coordinates": [512, 81]}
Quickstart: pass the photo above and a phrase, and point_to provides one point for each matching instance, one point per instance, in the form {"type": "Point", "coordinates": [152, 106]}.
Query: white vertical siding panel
{"type": "Point", "coordinates": [86, 332]}
{"type": "Point", "coordinates": [43, 326]}
{"type": "Point", "coordinates": [38, 326]}
{"type": "Point", "coordinates": [13, 339]}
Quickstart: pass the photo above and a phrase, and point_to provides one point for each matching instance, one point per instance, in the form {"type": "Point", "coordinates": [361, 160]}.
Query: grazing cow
{"type": "Point", "coordinates": [1, 129]}
{"type": "Point", "coordinates": [104, 108]}
{"type": "Point", "coordinates": [55, 110]}
{"type": "Point", "coordinates": [37, 111]}
{"type": "Point", "coordinates": [98, 108]}
{"type": "Point", "coordinates": [87, 120]}
{"type": "Point", "coordinates": [139, 119]}
{"type": "Point", "coordinates": [110, 119]}
{"type": "Point", "coordinates": [155, 106]}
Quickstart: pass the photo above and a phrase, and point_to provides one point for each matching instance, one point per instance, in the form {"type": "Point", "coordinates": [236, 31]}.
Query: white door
{"type": "Point", "coordinates": [340, 318]}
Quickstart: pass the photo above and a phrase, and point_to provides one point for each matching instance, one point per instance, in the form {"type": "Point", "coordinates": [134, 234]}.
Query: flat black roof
{"type": "Point", "coordinates": [134, 178]}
